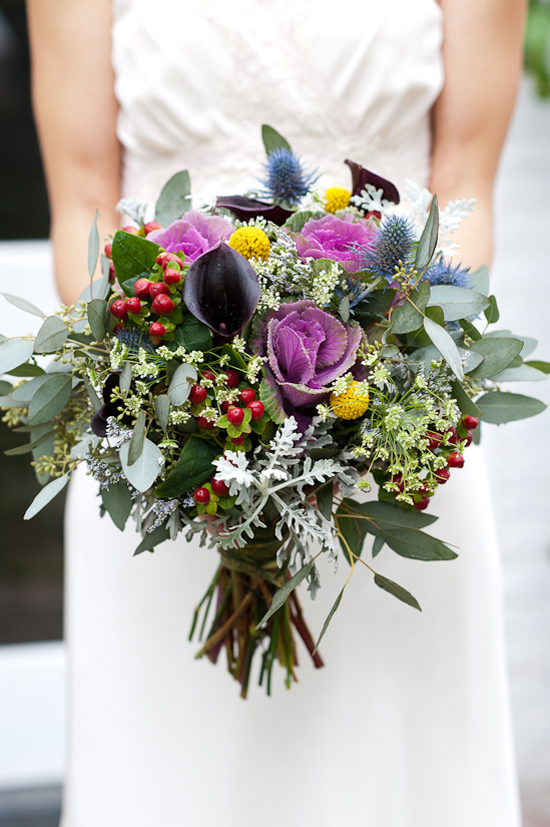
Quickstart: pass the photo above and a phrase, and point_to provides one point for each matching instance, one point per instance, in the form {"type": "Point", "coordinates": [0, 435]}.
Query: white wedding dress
{"type": "Point", "coordinates": [408, 723]}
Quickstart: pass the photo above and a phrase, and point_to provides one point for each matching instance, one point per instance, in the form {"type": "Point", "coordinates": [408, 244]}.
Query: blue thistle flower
{"type": "Point", "coordinates": [133, 340]}
{"type": "Point", "coordinates": [286, 182]}
{"type": "Point", "coordinates": [444, 273]}
{"type": "Point", "coordinates": [392, 246]}
{"type": "Point", "coordinates": [355, 291]}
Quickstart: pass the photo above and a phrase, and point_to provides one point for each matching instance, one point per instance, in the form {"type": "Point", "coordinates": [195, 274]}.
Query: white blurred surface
{"type": "Point", "coordinates": [26, 270]}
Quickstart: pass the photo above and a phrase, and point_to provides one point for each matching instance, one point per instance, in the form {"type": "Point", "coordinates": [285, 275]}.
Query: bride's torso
{"type": "Point", "coordinates": [196, 79]}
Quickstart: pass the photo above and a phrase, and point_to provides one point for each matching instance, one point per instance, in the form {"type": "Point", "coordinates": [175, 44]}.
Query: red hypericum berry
{"type": "Point", "coordinates": [171, 276]}
{"type": "Point", "coordinates": [434, 440]}
{"type": "Point", "coordinates": [235, 415]}
{"type": "Point", "coordinates": [422, 504]}
{"type": "Point", "coordinates": [150, 226]}
{"type": "Point", "coordinates": [470, 422]}
{"type": "Point", "coordinates": [209, 375]}
{"type": "Point", "coordinates": [454, 437]}
{"type": "Point", "coordinates": [161, 258]}
{"type": "Point", "coordinates": [455, 460]}
{"type": "Point", "coordinates": [398, 480]}
{"type": "Point", "coordinates": [205, 423]}
{"type": "Point", "coordinates": [374, 214]}
{"type": "Point", "coordinates": [133, 305]}
{"type": "Point", "coordinates": [131, 230]}
{"type": "Point", "coordinates": [219, 488]}
{"type": "Point", "coordinates": [197, 395]}
{"type": "Point", "coordinates": [157, 330]}
{"type": "Point", "coordinates": [232, 378]}
{"type": "Point", "coordinates": [117, 327]}
{"type": "Point", "coordinates": [248, 395]}
{"type": "Point", "coordinates": [156, 288]}
{"type": "Point", "coordinates": [141, 288]}
{"type": "Point", "coordinates": [257, 409]}
{"type": "Point", "coordinates": [225, 407]}
{"type": "Point", "coordinates": [424, 491]}
{"type": "Point", "coordinates": [237, 440]}
{"type": "Point", "coordinates": [468, 438]}
{"type": "Point", "coordinates": [442, 475]}
{"type": "Point", "coordinates": [202, 496]}
{"type": "Point", "coordinates": [171, 259]}
{"type": "Point", "coordinates": [119, 309]}
{"type": "Point", "coordinates": [163, 305]}
{"type": "Point", "coordinates": [108, 250]}
{"type": "Point", "coordinates": [112, 272]}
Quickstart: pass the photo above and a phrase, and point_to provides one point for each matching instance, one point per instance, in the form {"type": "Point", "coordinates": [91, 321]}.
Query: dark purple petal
{"type": "Point", "coordinates": [99, 419]}
{"type": "Point", "coordinates": [360, 177]}
{"type": "Point", "coordinates": [246, 208]}
{"type": "Point", "coordinates": [222, 290]}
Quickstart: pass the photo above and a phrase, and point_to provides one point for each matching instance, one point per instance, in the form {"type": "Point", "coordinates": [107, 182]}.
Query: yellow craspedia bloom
{"type": "Point", "coordinates": [336, 198]}
{"type": "Point", "coordinates": [250, 242]}
{"type": "Point", "coordinates": [351, 404]}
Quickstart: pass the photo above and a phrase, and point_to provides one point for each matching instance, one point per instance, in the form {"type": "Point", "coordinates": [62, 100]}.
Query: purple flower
{"type": "Point", "coordinates": [337, 239]}
{"type": "Point", "coordinates": [307, 349]}
{"type": "Point", "coordinates": [195, 234]}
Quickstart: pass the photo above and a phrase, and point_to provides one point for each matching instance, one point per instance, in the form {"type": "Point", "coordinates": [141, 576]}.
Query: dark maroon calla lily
{"type": "Point", "coordinates": [360, 177]}
{"type": "Point", "coordinates": [99, 419]}
{"type": "Point", "coordinates": [246, 208]}
{"type": "Point", "coordinates": [222, 290]}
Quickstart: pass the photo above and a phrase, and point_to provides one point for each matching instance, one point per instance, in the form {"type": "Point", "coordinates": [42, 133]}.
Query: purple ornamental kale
{"type": "Point", "coordinates": [338, 239]}
{"type": "Point", "coordinates": [195, 234]}
{"type": "Point", "coordinates": [307, 349]}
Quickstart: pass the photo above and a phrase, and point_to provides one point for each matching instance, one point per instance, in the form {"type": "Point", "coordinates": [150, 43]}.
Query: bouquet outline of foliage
{"type": "Point", "coordinates": [241, 370]}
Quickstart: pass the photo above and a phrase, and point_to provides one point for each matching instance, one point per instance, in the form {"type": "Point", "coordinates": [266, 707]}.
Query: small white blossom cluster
{"type": "Point", "coordinates": [118, 355]}
{"type": "Point", "coordinates": [178, 417]}
{"type": "Point", "coordinates": [322, 285]}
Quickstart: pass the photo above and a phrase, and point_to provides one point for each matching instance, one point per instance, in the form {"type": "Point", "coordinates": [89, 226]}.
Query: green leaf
{"type": "Point", "coordinates": [235, 359]}
{"type": "Point", "coordinates": [133, 255]}
{"type": "Point", "coordinates": [492, 312]}
{"type": "Point", "coordinates": [162, 410]}
{"type": "Point", "coordinates": [470, 329]}
{"type": "Point", "coordinates": [343, 309]}
{"type": "Point", "coordinates": [542, 366]}
{"type": "Point", "coordinates": [23, 304]}
{"type": "Point", "coordinates": [181, 383]}
{"type": "Point", "coordinates": [523, 373]}
{"type": "Point", "coordinates": [457, 302]}
{"type": "Point", "coordinates": [406, 318]}
{"type": "Point", "coordinates": [192, 334]}
{"type": "Point", "coordinates": [51, 336]}
{"type": "Point", "coordinates": [117, 501]}
{"type": "Point", "coordinates": [25, 392]}
{"type": "Point", "coordinates": [466, 405]}
{"type": "Point", "coordinates": [174, 200]}
{"type": "Point", "coordinates": [428, 239]}
{"type": "Point", "coordinates": [480, 280]}
{"type": "Point", "coordinates": [497, 354]}
{"type": "Point", "coordinates": [324, 499]}
{"type": "Point", "coordinates": [272, 139]}
{"type": "Point", "coordinates": [159, 535]}
{"type": "Point", "coordinates": [5, 388]}
{"type": "Point", "coordinates": [298, 219]}
{"type": "Point", "coordinates": [93, 247]}
{"type": "Point", "coordinates": [329, 618]}
{"type": "Point", "coordinates": [280, 597]}
{"type": "Point", "coordinates": [397, 591]}
{"type": "Point", "coordinates": [446, 346]}
{"type": "Point", "coordinates": [193, 467]}
{"type": "Point", "coordinates": [29, 446]}
{"type": "Point", "coordinates": [423, 356]}
{"type": "Point", "coordinates": [499, 407]}
{"type": "Point", "coordinates": [144, 471]}
{"type": "Point", "coordinates": [125, 379]}
{"type": "Point", "coordinates": [94, 399]}
{"type": "Point", "coordinates": [26, 370]}
{"type": "Point", "coordinates": [137, 439]}
{"type": "Point", "coordinates": [50, 398]}
{"type": "Point", "coordinates": [272, 402]}
{"type": "Point", "coordinates": [14, 352]}
{"type": "Point", "coordinates": [46, 495]}
{"type": "Point", "coordinates": [97, 309]}
{"type": "Point", "coordinates": [377, 546]}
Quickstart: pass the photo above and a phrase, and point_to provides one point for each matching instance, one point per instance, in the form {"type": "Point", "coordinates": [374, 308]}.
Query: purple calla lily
{"type": "Point", "coordinates": [360, 177]}
{"type": "Point", "coordinates": [246, 208]}
{"type": "Point", "coordinates": [222, 290]}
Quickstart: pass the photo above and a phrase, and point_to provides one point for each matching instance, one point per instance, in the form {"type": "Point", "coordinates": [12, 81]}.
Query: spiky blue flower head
{"type": "Point", "coordinates": [134, 340]}
{"type": "Point", "coordinates": [353, 289]}
{"type": "Point", "coordinates": [285, 181]}
{"type": "Point", "coordinates": [393, 245]}
{"type": "Point", "coordinates": [444, 273]}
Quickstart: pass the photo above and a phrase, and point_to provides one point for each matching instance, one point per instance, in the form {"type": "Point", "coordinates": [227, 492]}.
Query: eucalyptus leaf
{"type": "Point", "coordinates": [23, 304]}
{"type": "Point", "coordinates": [97, 309]}
{"type": "Point", "coordinates": [479, 280]}
{"type": "Point", "coordinates": [144, 471]}
{"type": "Point", "coordinates": [499, 407]}
{"type": "Point", "coordinates": [428, 240]}
{"type": "Point", "coordinates": [125, 377]}
{"type": "Point", "coordinates": [324, 496]}
{"type": "Point", "coordinates": [273, 139]}
{"type": "Point", "coordinates": [162, 410]}
{"type": "Point", "coordinates": [117, 501]}
{"type": "Point", "coordinates": [466, 405]}
{"type": "Point", "coordinates": [329, 618]}
{"type": "Point", "coordinates": [25, 392]}
{"type": "Point", "coordinates": [181, 384]}
{"type": "Point", "coordinates": [406, 317]}
{"type": "Point", "coordinates": [397, 591]}
{"type": "Point", "coordinates": [137, 439]}
{"type": "Point", "coordinates": [492, 313]}
{"type": "Point", "coordinates": [497, 354]}
{"type": "Point", "coordinates": [14, 352]}
{"type": "Point", "coordinates": [29, 446]}
{"type": "Point", "coordinates": [542, 366]}
{"type": "Point", "coordinates": [27, 369]}
{"type": "Point", "coordinates": [470, 359]}
{"type": "Point", "coordinates": [457, 302]}
{"type": "Point", "coordinates": [5, 388]}
{"type": "Point", "coordinates": [174, 200]}
{"type": "Point", "coordinates": [94, 399]}
{"type": "Point", "coordinates": [46, 495]}
{"type": "Point", "coordinates": [446, 346]}
{"type": "Point", "coordinates": [93, 247]}
{"type": "Point", "coordinates": [470, 330]}
{"type": "Point", "coordinates": [343, 309]}
{"type": "Point", "coordinates": [51, 336]}
{"type": "Point", "coordinates": [154, 538]}
{"type": "Point", "coordinates": [50, 398]}
{"type": "Point", "coordinates": [280, 597]}
{"type": "Point", "coordinates": [377, 546]}
{"type": "Point", "coordinates": [523, 373]}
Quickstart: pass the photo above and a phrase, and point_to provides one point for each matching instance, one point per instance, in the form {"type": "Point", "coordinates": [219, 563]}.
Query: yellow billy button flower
{"type": "Point", "coordinates": [250, 242]}
{"type": "Point", "coordinates": [352, 403]}
{"type": "Point", "coordinates": [336, 198]}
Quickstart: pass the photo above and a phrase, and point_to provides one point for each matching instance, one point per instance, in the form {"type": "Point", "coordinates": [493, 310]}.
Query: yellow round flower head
{"type": "Point", "coordinates": [351, 404]}
{"type": "Point", "coordinates": [336, 198]}
{"type": "Point", "coordinates": [250, 242]}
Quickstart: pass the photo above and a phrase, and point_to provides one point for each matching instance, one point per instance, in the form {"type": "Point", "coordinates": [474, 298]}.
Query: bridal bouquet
{"type": "Point", "coordinates": [242, 371]}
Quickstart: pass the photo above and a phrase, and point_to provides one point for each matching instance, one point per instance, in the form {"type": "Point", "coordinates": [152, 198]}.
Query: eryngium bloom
{"type": "Point", "coordinates": [285, 181]}
{"type": "Point", "coordinates": [444, 273]}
